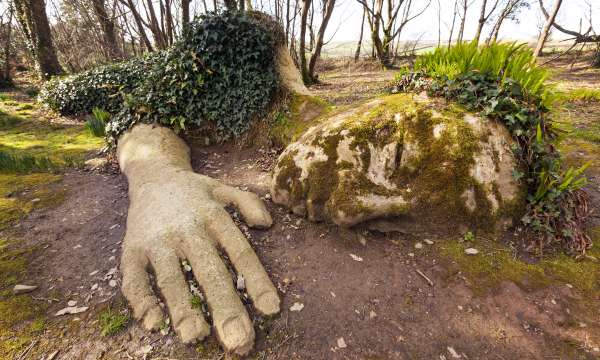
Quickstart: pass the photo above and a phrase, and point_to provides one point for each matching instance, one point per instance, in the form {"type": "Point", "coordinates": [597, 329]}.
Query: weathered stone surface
{"type": "Point", "coordinates": [23, 289]}
{"type": "Point", "coordinates": [177, 214]}
{"type": "Point", "coordinates": [400, 155]}
{"type": "Point", "coordinates": [96, 164]}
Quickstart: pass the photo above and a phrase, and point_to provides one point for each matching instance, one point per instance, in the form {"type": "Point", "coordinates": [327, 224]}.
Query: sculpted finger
{"type": "Point", "coordinates": [188, 323]}
{"type": "Point", "coordinates": [249, 204]}
{"type": "Point", "coordinates": [230, 319]}
{"type": "Point", "coordinates": [244, 259]}
{"type": "Point", "coordinates": [137, 290]}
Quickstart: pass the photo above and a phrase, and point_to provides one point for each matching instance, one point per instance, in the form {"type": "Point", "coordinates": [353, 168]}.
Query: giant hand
{"type": "Point", "coordinates": [176, 214]}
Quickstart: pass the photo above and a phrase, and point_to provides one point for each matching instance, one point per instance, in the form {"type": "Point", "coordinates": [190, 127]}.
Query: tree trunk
{"type": "Point", "coordinates": [481, 21]}
{"type": "Point", "coordinates": [546, 30]}
{"type": "Point", "coordinates": [461, 31]}
{"type": "Point", "coordinates": [31, 14]}
{"type": "Point", "coordinates": [303, 25]}
{"type": "Point", "coordinates": [453, 23]}
{"type": "Point", "coordinates": [231, 4]}
{"type": "Point", "coordinates": [359, 44]}
{"type": "Point", "coordinates": [108, 30]}
{"type": "Point", "coordinates": [185, 13]}
{"type": "Point", "coordinates": [327, 11]}
{"type": "Point", "coordinates": [6, 79]}
{"type": "Point", "coordinates": [139, 23]}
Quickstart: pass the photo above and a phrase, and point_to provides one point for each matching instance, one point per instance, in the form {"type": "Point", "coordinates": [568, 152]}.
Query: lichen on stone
{"type": "Point", "coordinates": [399, 155]}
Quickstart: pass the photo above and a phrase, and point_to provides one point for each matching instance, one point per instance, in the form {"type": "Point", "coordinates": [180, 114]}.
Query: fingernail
{"type": "Point", "coordinates": [237, 335]}
{"type": "Point", "coordinates": [268, 303]}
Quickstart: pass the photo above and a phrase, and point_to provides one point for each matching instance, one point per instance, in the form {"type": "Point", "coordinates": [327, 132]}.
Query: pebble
{"type": "Point", "coordinates": [418, 245]}
{"type": "Point", "coordinates": [453, 352]}
{"type": "Point", "coordinates": [356, 258]}
{"type": "Point", "coordinates": [112, 283]}
{"type": "Point", "coordinates": [471, 251]}
{"type": "Point", "coordinates": [428, 242]}
{"type": "Point", "coordinates": [23, 289]}
{"type": "Point", "coordinates": [72, 303]}
{"type": "Point", "coordinates": [240, 283]}
{"type": "Point", "coordinates": [341, 343]}
{"type": "Point", "coordinates": [297, 307]}
{"type": "Point", "coordinates": [71, 310]}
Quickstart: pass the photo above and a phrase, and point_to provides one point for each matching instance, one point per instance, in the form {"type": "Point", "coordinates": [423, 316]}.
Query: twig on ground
{"type": "Point", "coordinates": [24, 353]}
{"type": "Point", "coordinates": [424, 277]}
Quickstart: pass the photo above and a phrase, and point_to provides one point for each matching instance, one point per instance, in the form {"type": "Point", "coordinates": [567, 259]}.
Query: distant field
{"type": "Point", "coordinates": [338, 49]}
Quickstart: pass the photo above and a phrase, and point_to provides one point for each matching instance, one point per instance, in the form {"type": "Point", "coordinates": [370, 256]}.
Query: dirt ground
{"type": "Point", "coordinates": [367, 294]}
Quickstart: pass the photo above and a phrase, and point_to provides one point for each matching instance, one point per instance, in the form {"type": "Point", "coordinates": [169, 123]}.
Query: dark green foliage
{"type": "Point", "coordinates": [102, 87]}
{"type": "Point", "coordinates": [96, 123]}
{"type": "Point", "coordinates": [555, 203]}
{"type": "Point", "coordinates": [218, 75]}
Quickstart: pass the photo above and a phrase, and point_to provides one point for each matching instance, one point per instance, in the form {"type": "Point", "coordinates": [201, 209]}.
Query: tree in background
{"type": "Point", "coordinates": [398, 14]}
{"type": "Point", "coordinates": [510, 11]}
{"type": "Point", "coordinates": [484, 16]}
{"type": "Point", "coordinates": [31, 15]}
{"type": "Point", "coordinates": [108, 30]}
{"type": "Point", "coordinates": [308, 67]}
{"type": "Point", "coordinates": [6, 29]}
{"type": "Point", "coordinates": [360, 38]}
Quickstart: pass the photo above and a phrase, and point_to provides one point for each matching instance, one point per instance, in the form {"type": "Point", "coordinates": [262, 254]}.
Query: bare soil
{"type": "Point", "coordinates": [366, 287]}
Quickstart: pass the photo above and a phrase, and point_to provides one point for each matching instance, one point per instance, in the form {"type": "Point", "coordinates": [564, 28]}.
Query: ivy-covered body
{"type": "Point", "coordinates": [401, 155]}
{"type": "Point", "coordinates": [219, 75]}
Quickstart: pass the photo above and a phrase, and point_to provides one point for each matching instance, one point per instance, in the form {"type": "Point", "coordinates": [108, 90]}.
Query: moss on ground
{"type": "Point", "coordinates": [301, 113]}
{"type": "Point", "coordinates": [23, 136]}
{"type": "Point", "coordinates": [496, 263]}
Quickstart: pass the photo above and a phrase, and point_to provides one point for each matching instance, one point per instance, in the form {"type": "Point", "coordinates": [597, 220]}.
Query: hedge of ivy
{"type": "Point", "coordinates": [219, 74]}
{"type": "Point", "coordinates": [503, 82]}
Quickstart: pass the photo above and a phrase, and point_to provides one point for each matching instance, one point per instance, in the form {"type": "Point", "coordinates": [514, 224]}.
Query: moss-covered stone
{"type": "Point", "coordinates": [397, 155]}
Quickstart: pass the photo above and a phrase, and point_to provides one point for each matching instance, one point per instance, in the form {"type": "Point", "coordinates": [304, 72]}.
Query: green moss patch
{"type": "Point", "coordinates": [34, 151]}
{"type": "Point", "coordinates": [495, 263]}
{"type": "Point", "coordinates": [433, 179]}
{"type": "Point", "coordinates": [301, 112]}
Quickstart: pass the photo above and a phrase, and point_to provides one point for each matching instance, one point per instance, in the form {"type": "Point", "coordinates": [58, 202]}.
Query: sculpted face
{"type": "Point", "coordinates": [399, 155]}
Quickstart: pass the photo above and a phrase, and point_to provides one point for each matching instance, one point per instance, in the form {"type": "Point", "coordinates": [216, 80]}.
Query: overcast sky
{"type": "Point", "coordinates": [346, 20]}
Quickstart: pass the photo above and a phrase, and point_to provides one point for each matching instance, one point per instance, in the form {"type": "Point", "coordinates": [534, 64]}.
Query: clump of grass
{"type": "Point", "coordinates": [24, 163]}
{"type": "Point", "coordinates": [96, 123]}
{"type": "Point", "coordinates": [581, 94]}
{"type": "Point", "coordinates": [112, 322]}
{"type": "Point", "coordinates": [503, 82]}
{"type": "Point", "coordinates": [514, 62]}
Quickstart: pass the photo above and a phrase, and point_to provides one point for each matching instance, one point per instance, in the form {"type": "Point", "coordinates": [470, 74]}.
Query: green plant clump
{"type": "Point", "coordinates": [96, 123]}
{"type": "Point", "coordinates": [218, 76]}
{"type": "Point", "coordinates": [112, 322]}
{"type": "Point", "coordinates": [503, 82]}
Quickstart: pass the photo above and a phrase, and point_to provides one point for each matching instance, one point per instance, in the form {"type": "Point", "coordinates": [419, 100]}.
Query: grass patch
{"type": "Point", "coordinates": [112, 322]}
{"type": "Point", "coordinates": [580, 94]}
{"type": "Point", "coordinates": [96, 123]}
{"type": "Point", "coordinates": [21, 318]}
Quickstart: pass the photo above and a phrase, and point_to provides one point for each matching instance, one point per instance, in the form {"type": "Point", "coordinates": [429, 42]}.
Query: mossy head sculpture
{"type": "Point", "coordinates": [401, 155]}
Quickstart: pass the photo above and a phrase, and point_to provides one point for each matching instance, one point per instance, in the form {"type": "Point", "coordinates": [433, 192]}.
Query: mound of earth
{"type": "Point", "coordinates": [401, 155]}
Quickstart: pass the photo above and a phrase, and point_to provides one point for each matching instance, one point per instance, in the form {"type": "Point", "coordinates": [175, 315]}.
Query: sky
{"type": "Point", "coordinates": [347, 16]}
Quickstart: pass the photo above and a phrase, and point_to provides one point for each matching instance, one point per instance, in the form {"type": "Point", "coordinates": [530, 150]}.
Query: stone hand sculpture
{"type": "Point", "coordinates": [176, 214]}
